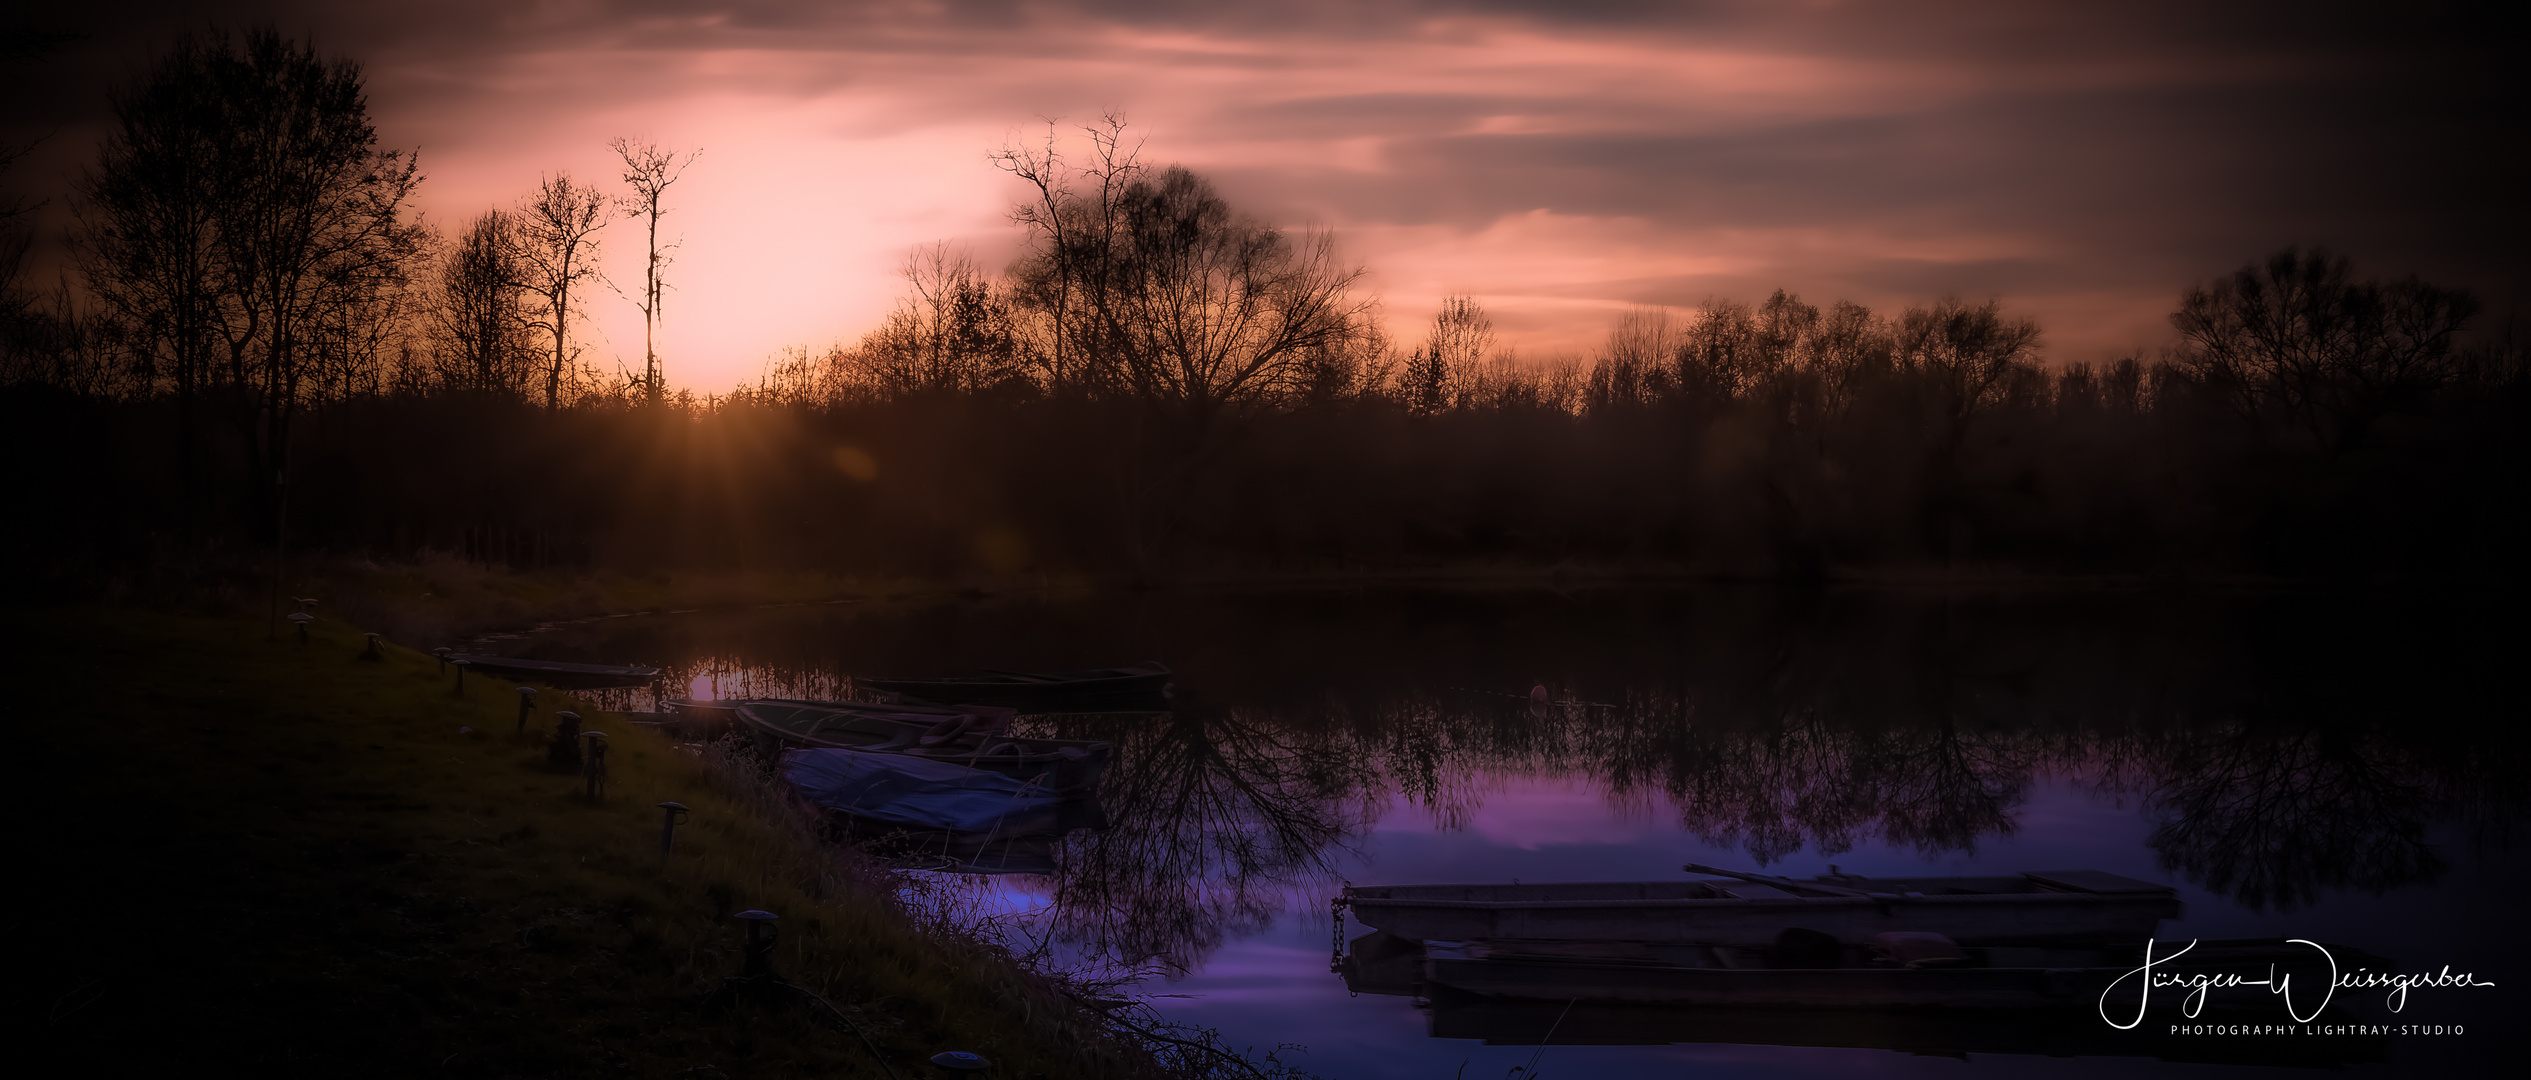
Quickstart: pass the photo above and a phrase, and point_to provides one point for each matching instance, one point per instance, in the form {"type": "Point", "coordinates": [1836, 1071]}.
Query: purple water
{"type": "Point", "coordinates": [2297, 767]}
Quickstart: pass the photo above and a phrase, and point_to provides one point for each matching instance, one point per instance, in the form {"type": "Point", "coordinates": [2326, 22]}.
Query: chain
{"type": "Point", "coordinates": [1336, 933]}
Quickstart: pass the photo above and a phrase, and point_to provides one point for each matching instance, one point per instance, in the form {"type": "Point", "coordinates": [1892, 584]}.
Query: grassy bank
{"type": "Point", "coordinates": [271, 858]}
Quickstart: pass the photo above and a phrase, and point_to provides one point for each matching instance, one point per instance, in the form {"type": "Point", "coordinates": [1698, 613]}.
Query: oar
{"type": "Point", "coordinates": [1769, 879]}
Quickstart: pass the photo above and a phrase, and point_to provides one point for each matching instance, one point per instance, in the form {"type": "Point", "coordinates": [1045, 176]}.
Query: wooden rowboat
{"type": "Point", "coordinates": [2055, 1026]}
{"type": "Point", "coordinates": [965, 739]}
{"type": "Point", "coordinates": [556, 672]}
{"type": "Point", "coordinates": [2033, 908]}
{"type": "Point", "coordinates": [1968, 978]}
{"type": "Point", "coordinates": [1141, 686]}
{"type": "Point", "coordinates": [984, 718]}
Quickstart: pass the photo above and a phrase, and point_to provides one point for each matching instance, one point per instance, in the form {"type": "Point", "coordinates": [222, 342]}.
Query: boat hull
{"type": "Point", "coordinates": [2088, 980]}
{"type": "Point", "coordinates": [1062, 765]}
{"type": "Point", "coordinates": [557, 673]}
{"type": "Point", "coordinates": [2074, 1030]}
{"type": "Point", "coordinates": [1108, 690]}
{"type": "Point", "coordinates": [1673, 912]}
{"type": "Point", "coordinates": [1858, 988]}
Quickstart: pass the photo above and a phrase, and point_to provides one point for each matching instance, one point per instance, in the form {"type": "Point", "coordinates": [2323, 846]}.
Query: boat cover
{"type": "Point", "coordinates": [915, 791]}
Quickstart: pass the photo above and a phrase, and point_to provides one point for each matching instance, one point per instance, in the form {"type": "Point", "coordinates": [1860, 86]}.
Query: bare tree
{"type": "Point", "coordinates": [556, 235]}
{"type": "Point", "coordinates": [483, 337]}
{"type": "Point", "coordinates": [1201, 310]}
{"type": "Point", "coordinates": [650, 171]}
{"type": "Point", "coordinates": [238, 204]}
{"type": "Point", "coordinates": [1849, 346]}
{"type": "Point", "coordinates": [1965, 355]}
{"type": "Point", "coordinates": [1633, 369]}
{"type": "Point", "coordinates": [1460, 338]}
{"type": "Point", "coordinates": [148, 218]}
{"type": "Point", "coordinates": [2295, 344]}
{"type": "Point", "coordinates": [1072, 219]}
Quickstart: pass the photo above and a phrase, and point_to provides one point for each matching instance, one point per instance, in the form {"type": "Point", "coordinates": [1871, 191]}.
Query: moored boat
{"type": "Point", "coordinates": [1899, 971]}
{"type": "Point", "coordinates": [983, 718]}
{"type": "Point", "coordinates": [2033, 908]}
{"type": "Point", "coordinates": [924, 794]}
{"type": "Point", "coordinates": [1139, 686]}
{"type": "Point", "coordinates": [965, 738]}
{"type": "Point", "coordinates": [557, 672]}
{"type": "Point", "coordinates": [1534, 1012]}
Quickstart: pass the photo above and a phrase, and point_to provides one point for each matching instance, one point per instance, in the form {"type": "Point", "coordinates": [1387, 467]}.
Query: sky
{"type": "Point", "coordinates": [1561, 162]}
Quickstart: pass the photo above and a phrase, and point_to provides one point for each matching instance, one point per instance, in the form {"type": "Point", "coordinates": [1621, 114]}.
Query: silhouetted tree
{"type": "Point", "coordinates": [1199, 309]}
{"type": "Point", "coordinates": [953, 333]}
{"type": "Point", "coordinates": [555, 233]}
{"type": "Point", "coordinates": [1633, 369]}
{"type": "Point", "coordinates": [1965, 355]}
{"type": "Point", "coordinates": [650, 171]}
{"type": "Point", "coordinates": [239, 202]}
{"type": "Point", "coordinates": [483, 331]}
{"type": "Point", "coordinates": [2301, 350]}
{"type": "Point", "coordinates": [1460, 338]}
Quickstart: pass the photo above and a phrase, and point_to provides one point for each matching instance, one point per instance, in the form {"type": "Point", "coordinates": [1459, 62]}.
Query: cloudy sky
{"type": "Point", "coordinates": [1560, 161]}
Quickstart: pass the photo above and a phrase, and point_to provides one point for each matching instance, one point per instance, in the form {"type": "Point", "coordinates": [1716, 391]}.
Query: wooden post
{"type": "Point", "coordinates": [564, 752]}
{"type": "Point", "coordinates": [674, 812]}
{"type": "Point", "coordinates": [593, 764]}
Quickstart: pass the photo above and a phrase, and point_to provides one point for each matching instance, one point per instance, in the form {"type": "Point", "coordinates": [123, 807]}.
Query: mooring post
{"type": "Point", "coordinates": [761, 933]}
{"type": "Point", "coordinates": [462, 665]}
{"type": "Point", "coordinates": [527, 704]}
{"type": "Point", "coordinates": [593, 763]}
{"type": "Point", "coordinates": [674, 812]}
{"type": "Point", "coordinates": [565, 751]}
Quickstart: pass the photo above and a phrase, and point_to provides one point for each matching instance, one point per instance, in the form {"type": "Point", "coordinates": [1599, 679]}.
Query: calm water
{"type": "Point", "coordinates": [2348, 771]}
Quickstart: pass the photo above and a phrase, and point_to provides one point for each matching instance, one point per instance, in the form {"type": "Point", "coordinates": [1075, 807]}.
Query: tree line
{"type": "Point", "coordinates": [1159, 386]}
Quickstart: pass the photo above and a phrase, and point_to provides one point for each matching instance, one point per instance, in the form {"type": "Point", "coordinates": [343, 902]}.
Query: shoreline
{"type": "Point", "coordinates": [380, 874]}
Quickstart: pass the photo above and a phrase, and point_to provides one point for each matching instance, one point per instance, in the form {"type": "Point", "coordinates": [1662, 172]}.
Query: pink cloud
{"type": "Point", "coordinates": [1560, 162]}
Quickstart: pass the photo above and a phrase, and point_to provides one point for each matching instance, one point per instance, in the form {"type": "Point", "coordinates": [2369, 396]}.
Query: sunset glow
{"type": "Point", "coordinates": [1561, 167]}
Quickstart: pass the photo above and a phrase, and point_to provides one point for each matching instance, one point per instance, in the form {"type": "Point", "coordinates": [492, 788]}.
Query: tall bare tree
{"type": "Point", "coordinates": [557, 249]}
{"type": "Point", "coordinates": [1148, 284]}
{"type": "Point", "coordinates": [1072, 220]}
{"type": "Point", "coordinates": [953, 333]}
{"type": "Point", "coordinates": [1461, 337]}
{"type": "Point", "coordinates": [1202, 309]}
{"type": "Point", "coordinates": [1965, 353]}
{"type": "Point", "coordinates": [650, 171]}
{"type": "Point", "coordinates": [2302, 350]}
{"type": "Point", "coordinates": [483, 333]}
{"type": "Point", "coordinates": [238, 204]}
{"type": "Point", "coordinates": [1633, 370]}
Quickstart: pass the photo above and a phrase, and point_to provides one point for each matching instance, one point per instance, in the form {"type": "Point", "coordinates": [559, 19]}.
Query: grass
{"type": "Point", "coordinates": [282, 859]}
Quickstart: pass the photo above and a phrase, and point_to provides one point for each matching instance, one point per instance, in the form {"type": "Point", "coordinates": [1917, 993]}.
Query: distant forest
{"type": "Point", "coordinates": [261, 341]}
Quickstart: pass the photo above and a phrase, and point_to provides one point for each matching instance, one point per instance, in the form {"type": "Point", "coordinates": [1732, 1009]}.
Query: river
{"type": "Point", "coordinates": [2340, 769]}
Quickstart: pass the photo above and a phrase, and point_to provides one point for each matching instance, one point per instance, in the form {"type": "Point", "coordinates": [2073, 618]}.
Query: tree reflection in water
{"type": "Point", "coordinates": [1224, 818]}
{"type": "Point", "coordinates": [2282, 750]}
{"type": "Point", "coordinates": [2272, 818]}
{"type": "Point", "coordinates": [1215, 819]}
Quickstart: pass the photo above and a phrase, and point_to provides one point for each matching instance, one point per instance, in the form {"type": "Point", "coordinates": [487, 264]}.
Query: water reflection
{"type": "Point", "coordinates": [2280, 757]}
{"type": "Point", "coordinates": [1221, 817]}
{"type": "Point", "coordinates": [1217, 816]}
{"type": "Point", "coordinates": [1955, 1033]}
